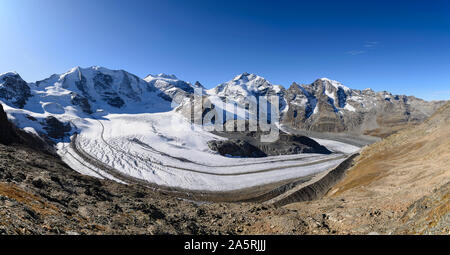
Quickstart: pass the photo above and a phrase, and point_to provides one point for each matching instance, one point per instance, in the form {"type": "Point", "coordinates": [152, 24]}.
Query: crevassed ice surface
{"type": "Point", "coordinates": [164, 149]}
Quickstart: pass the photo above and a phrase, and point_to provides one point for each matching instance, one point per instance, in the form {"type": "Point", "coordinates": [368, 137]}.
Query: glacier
{"type": "Point", "coordinates": [126, 129]}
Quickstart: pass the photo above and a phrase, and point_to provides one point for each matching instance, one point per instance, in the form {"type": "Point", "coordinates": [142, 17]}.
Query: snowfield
{"type": "Point", "coordinates": [164, 149]}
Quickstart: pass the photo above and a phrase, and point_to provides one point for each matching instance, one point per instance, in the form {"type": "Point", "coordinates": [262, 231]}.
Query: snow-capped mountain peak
{"type": "Point", "coordinates": [171, 87]}
{"type": "Point", "coordinates": [97, 88]}
{"type": "Point", "coordinates": [244, 85]}
{"type": "Point", "coordinates": [245, 77]}
{"type": "Point", "coordinates": [11, 73]}
{"type": "Point", "coordinates": [334, 83]}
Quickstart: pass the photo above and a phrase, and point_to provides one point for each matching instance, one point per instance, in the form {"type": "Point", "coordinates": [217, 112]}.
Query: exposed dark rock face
{"type": "Point", "coordinates": [103, 86]}
{"type": "Point", "coordinates": [56, 129]}
{"type": "Point", "coordinates": [126, 89]}
{"type": "Point", "coordinates": [247, 144]}
{"type": "Point", "coordinates": [82, 102]}
{"type": "Point", "coordinates": [14, 90]}
{"type": "Point", "coordinates": [81, 85]}
{"type": "Point", "coordinates": [236, 148]}
{"type": "Point", "coordinates": [165, 96]}
{"type": "Point", "coordinates": [294, 144]}
{"type": "Point", "coordinates": [198, 84]}
{"type": "Point", "coordinates": [7, 136]}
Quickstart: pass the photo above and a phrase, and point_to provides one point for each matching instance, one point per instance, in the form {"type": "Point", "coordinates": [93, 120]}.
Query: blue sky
{"type": "Point", "coordinates": [399, 46]}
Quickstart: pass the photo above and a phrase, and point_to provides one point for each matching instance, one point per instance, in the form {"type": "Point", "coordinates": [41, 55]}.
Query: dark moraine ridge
{"type": "Point", "coordinates": [317, 189]}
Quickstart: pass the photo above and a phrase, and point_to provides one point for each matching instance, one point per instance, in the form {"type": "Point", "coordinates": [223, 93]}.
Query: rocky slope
{"type": "Point", "coordinates": [398, 185]}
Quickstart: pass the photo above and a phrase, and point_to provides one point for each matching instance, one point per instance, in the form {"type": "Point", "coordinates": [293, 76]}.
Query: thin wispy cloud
{"type": "Point", "coordinates": [356, 52]}
{"type": "Point", "coordinates": [367, 46]}
{"type": "Point", "coordinates": [371, 44]}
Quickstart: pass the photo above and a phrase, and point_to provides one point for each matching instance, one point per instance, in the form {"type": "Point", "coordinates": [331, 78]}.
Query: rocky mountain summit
{"type": "Point", "coordinates": [246, 85]}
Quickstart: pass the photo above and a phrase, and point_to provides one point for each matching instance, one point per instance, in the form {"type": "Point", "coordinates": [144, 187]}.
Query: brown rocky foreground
{"type": "Point", "coordinates": [399, 185]}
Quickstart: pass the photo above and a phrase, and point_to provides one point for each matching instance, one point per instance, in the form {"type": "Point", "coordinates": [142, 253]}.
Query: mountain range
{"type": "Point", "coordinates": [323, 106]}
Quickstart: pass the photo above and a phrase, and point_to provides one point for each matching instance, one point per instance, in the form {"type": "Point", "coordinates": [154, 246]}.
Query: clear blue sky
{"type": "Point", "coordinates": [398, 46]}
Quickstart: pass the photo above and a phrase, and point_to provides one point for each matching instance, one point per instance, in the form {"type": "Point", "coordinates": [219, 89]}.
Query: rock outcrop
{"type": "Point", "coordinates": [14, 89]}
{"type": "Point", "coordinates": [7, 135]}
{"type": "Point", "coordinates": [55, 128]}
{"type": "Point", "coordinates": [82, 102]}
{"type": "Point", "coordinates": [236, 148]}
{"type": "Point", "coordinates": [248, 144]}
